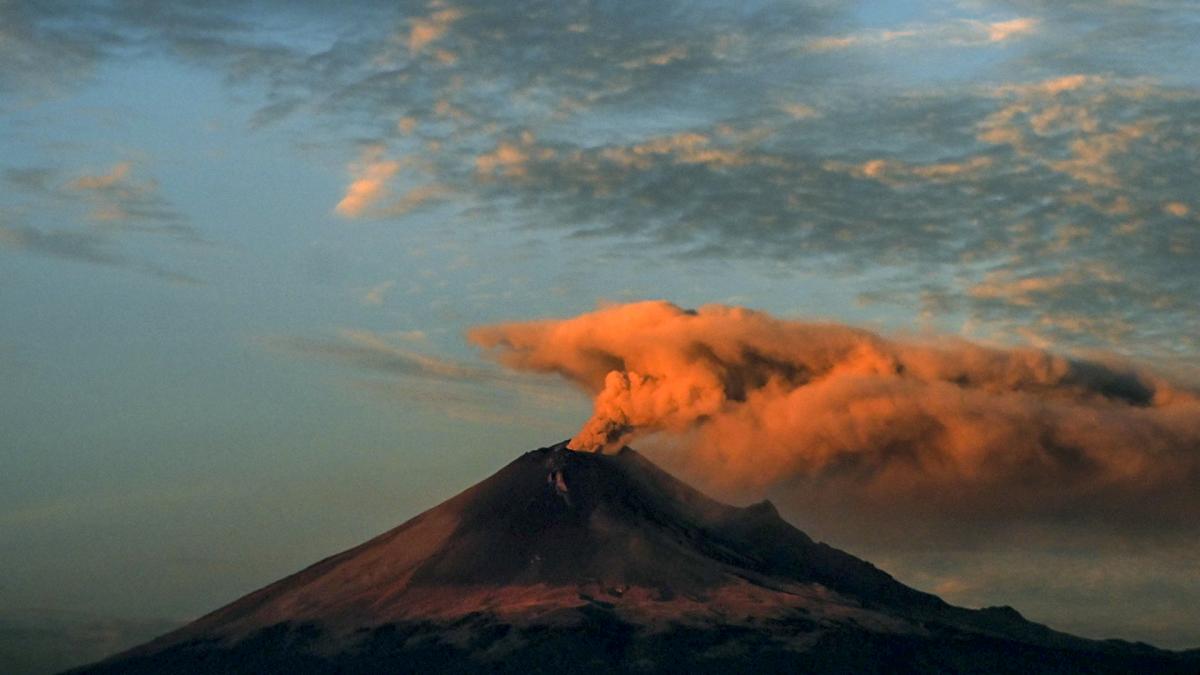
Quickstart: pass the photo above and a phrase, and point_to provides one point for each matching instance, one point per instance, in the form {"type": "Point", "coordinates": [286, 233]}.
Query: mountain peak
{"type": "Point", "coordinates": [569, 549]}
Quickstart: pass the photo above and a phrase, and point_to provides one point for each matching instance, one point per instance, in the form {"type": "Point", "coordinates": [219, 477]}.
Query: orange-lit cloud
{"type": "Point", "coordinates": [895, 172]}
{"type": "Point", "coordinates": [511, 158]}
{"type": "Point", "coordinates": [118, 199]}
{"type": "Point", "coordinates": [953, 33]}
{"type": "Point", "coordinates": [371, 175]}
{"type": "Point", "coordinates": [370, 194]}
{"type": "Point", "coordinates": [116, 175]}
{"type": "Point", "coordinates": [414, 199]}
{"type": "Point", "coordinates": [800, 111]}
{"type": "Point", "coordinates": [1026, 291]}
{"type": "Point", "coordinates": [682, 148]}
{"type": "Point", "coordinates": [752, 401]}
{"type": "Point", "coordinates": [1177, 209]}
{"type": "Point", "coordinates": [659, 58]}
{"type": "Point", "coordinates": [424, 31]}
{"type": "Point", "coordinates": [999, 31]}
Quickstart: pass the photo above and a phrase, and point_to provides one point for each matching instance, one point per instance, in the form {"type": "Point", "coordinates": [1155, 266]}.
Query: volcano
{"type": "Point", "coordinates": [572, 562]}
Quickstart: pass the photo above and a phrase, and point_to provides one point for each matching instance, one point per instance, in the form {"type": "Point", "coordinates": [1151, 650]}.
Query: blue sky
{"type": "Point", "coordinates": [239, 249]}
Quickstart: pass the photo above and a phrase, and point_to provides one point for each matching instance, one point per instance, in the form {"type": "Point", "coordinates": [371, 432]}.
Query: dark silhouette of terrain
{"type": "Point", "coordinates": [571, 562]}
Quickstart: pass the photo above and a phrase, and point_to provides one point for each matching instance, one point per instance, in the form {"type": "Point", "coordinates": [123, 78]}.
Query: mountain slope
{"type": "Point", "coordinates": [575, 562]}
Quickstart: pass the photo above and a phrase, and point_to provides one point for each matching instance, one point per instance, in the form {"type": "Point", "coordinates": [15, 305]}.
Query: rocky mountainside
{"type": "Point", "coordinates": [578, 562]}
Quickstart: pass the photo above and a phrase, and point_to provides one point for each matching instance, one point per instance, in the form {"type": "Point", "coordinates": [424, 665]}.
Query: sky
{"type": "Point", "coordinates": [242, 246]}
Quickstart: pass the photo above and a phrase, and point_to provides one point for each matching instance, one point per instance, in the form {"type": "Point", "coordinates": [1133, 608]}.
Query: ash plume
{"type": "Point", "coordinates": [748, 401]}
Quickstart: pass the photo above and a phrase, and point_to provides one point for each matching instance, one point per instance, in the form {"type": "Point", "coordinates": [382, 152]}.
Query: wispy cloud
{"type": "Point", "coordinates": [116, 176]}
{"type": "Point", "coordinates": [370, 185]}
{"type": "Point", "coordinates": [369, 351]}
{"type": "Point", "coordinates": [955, 33]}
{"type": "Point", "coordinates": [82, 246]}
{"type": "Point", "coordinates": [375, 295]}
{"type": "Point", "coordinates": [70, 244]}
{"type": "Point", "coordinates": [121, 202]}
{"type": "Point", "coordinates": [425, 30]}
{"type": "Point", "coordinates": [457, 389]}
{"type": "Point", "coordinates": [371, 193]}
{"type": "Point", "coordinates": [37, 180]}
{"type": "Point", "coordinates": [115, 203]}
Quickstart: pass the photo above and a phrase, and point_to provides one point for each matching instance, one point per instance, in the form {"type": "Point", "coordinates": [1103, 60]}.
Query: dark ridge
{"type": "Point", "coordinates": [604, 644]}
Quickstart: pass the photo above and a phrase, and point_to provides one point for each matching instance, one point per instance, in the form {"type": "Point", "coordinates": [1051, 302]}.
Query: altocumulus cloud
{"type": "Point", "coordinates": [1073, 154]}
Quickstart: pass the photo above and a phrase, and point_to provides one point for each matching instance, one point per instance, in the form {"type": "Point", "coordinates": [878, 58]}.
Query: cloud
{"type": "Point", "coordinates": [121, 203]}
{"type": "Point", "coordinates": [416, 198]}
{"type": "Point", "coordinates": [1177, 209]}
{"type": "Point", "coordinates": [801, 111]}
{"type": "Point", "coordinates": [370, 194]}
{"type": "Point", "coordinates": [371, 175]}
{"type": "Point", "coordinates": [670, 131]}
{"type": "Point", "coordinates": [1018, 179]}
{"type": "Point", "coordinates": [446, 387]}
{"type": "Point", "coordinates": [657, 58]}
{"type": "Point", "coordinates": [687, 147]}
{"type": "Point", "coordinates": [506, 158]}
{"type": "Point", "coordinates": [118, 203]}
{"type": "Point", "coordinates": [38, 180]}
{"type": "Point", "coordinates": [40, 52]}
{"type": "Point", "coordinates": [953, 33]}
{"type": "Point", "coordinates": [375, 295]}
{"type": "Point", "coordinates": [1050, 87]}
{"type": "Point", "coordinates": [103, 182]}
{"type": "Point", "coordinates": [999, 31]}
{"type": "Point", "coordinates": [1029, 290]}
{"type": "Point", "coordinates": [425, 30]}
{"type": "Point", "coordinates": [752, 402]}
{"type": "Point", "coordinates": [404, 59]}
{"type": "Point", "coordinates": [369, 351]}
{"type": "Point", "coordinates": [1091, 156]}
{"type": "Point", "coordinates": [47, 47]}
{"type": "Point", "coordinates": [1022, 174]}
{"type": "Point", "coordinates": [82, 246]}
{"type": "Point", "coordinates": [491, 407]}
{"type": "Point", "coordinates": [894, 172]}
{"type": "Point", "coordinates": [70, 244]}
{"type": "Point", "coordinates": [1121, 38]}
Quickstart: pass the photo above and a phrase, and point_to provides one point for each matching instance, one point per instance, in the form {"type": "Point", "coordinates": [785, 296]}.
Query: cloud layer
{"type": "Point", "coordinates": [754, 402]}
{"type": "Point", "coordinates": [1020, 145]}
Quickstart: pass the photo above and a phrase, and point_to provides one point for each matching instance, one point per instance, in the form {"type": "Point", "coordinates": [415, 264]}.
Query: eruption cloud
{"type": "Point", "coordinates": [750, 401]}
